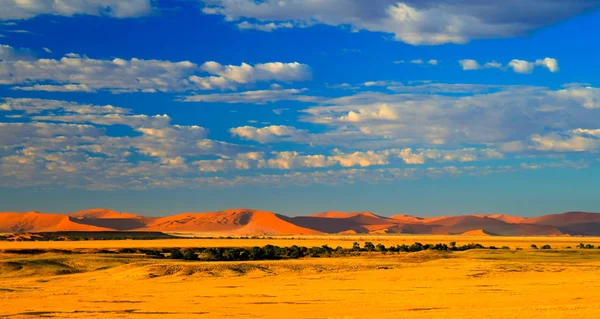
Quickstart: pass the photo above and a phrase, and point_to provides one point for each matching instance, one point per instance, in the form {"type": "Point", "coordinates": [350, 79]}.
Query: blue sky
{"type": "Point", "coordinates": [433, 107]}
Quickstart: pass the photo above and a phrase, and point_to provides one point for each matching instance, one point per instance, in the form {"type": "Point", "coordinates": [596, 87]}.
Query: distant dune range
{"type": "Point", "coordinates": [248, 222]}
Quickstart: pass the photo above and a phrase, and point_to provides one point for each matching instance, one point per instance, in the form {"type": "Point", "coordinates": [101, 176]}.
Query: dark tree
{"type": "Point", "coordinates": [190, 254]}
{"type": "Point", "coordinates": [176, 254]}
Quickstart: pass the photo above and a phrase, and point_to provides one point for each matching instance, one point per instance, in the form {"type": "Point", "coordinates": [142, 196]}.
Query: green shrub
{"type": "Point", "coordinates": [546, 247]}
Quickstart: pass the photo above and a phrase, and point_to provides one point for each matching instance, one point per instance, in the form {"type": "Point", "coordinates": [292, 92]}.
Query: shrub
{"type": "Point", "coordinates": [176, 254]}
{"type": "Point", "coordinates": [546, 247]}
{"type": "Point", "coordinates": [533, 246]}
{"type": "Point", "coordinates": [369, 246]}
{"type": "Point", "coordinates": [189, 254]}
{"type": "Point", "coordinates": [380, 248]}
{"type": "Point", "coordinates": [506, 247]}
{"type": "Point", "coordinates": [589, 246]}
{"type": "Point", "coordinates": [355, 246]}
{"type": "Point", "coordinates": [452, 244]}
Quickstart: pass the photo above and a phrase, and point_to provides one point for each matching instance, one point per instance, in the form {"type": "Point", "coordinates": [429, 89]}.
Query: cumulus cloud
{"type": "Point", "coordinates": [549, 63]}
{"type": "Point", "coordinates": [521, 66]}
{"type": "Point", "coordinates": [76, 73]}
{"type": "Point", "coordinates": [415, 22]}
{"type": "Point", "coordinates": [268, 133]}
{"type": "Point", "coordinates": [20, 10]}
{"type": "Point", "coordinates": [518, 66]}
{"type": "Point", "coordinates": [229, 76]}
{"type": "Point", "coordinates": [470, 64]}
{"type": "Point", "coordinates": [578, 140]}
{"type": "Point", "coordinates": [289, 160]}
{"type": "Point", "coordinates": [379, 112]}
{"type": "Point", "coordinates": [66, 143]}
{"type": "Point", "coordinates": [504, 114]}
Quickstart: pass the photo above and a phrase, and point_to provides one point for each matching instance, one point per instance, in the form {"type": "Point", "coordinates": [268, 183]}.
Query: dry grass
{"type": "Point", "coordinates": [471, 284]}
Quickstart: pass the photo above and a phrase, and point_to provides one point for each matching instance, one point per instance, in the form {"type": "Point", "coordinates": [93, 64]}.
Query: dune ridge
{"type": "Point", "coordinates": [250, 222]}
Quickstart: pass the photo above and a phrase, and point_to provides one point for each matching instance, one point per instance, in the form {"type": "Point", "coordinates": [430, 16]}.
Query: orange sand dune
{"type": "Point", "coordinates": [38, 222]}
{"type": "Point", "coordinates": [407, 219]}
{"type": "Point", "coordinates": [337, 222]}
{"type": "Point", "coordinates": [235, 222]}
{"type": "Point", "coordinates": [346, 215]}
{"type": "Point", "coordinates": [102, 213]}
{"type": "Point", "coordinates": [506, 218]}
{"type": "Point", "coordinates": [478, 232]}
{"type": "Point", "coordinates": [461, 224]}
{"type": "Point", "coordinates": [566, 219]}
{"type": "Point", "coordinates": [106, 218]}
{"type": "Point", "coordinates": [241, 222]}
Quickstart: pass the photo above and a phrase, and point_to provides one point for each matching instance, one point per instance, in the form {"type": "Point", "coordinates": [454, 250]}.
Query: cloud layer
{"type": "Point", "coordinates": [412, 21]}
{"type": "Point", "coordinates": [20, 10]}
{"type": "Point", "coordinates": [76, 73]}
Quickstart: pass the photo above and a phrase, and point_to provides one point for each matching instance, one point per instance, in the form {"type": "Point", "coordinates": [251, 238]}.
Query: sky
{"type": "Point", "coordinates": [428, 107]}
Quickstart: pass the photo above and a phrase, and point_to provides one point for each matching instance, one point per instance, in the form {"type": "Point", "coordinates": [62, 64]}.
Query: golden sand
{"type": "Point", "coordinates": [473, 284]}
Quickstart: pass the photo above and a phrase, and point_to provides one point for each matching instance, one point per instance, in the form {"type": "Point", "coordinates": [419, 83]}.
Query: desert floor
{"type": "Point", "coordinates": [562, 283]}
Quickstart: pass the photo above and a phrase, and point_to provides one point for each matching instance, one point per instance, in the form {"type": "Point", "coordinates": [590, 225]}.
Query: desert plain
{"type": "Point", "coordinates": [562, 282]}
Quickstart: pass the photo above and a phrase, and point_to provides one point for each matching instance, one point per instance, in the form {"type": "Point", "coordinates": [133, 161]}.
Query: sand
{"type": "Point", "coordinates": [472, 284]}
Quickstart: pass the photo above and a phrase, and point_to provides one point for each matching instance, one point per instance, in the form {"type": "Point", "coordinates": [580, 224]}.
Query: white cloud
{"type": "Point", "coordinates": [412, 21]}
{"type": "Point", "coordinates": [73, 149]}
{"type": "Point", "coordinates": [56, 88]}
{"type": "Point", "coordinates": [549, 63]}
{"type": "Point", "coordinates": [417, 61]}
{"type": "Point", "coordinates": [578, 140]}
{"type": "Point", "coordinates": [8, 53]}
{"type": "Point", "coordinates": [587, 96]}
{"type": "Point", "coordinates": [492, 65]}
{"type": "Point", "coordinates": [75, 73]}
{"type": "Point", "coordinates": [433, 62]}
{"type": "Point", "coordinates": [469, 64]}
{"type": "Point", "coordinates": [229, 75]}
{"type": "Point", "coordinates": [20, 9]}
{"type": "Point", "coordinates": [268, 133]}
{"type": "Point", "coordinates": [518, 66]}
{"type": "Point", "coordinates": [266, 27]}
{"type": "Point", "coordinates": [257, 97]}
{"type": "Point", "coordinates": [521, 66]}
{"type": "Point", "coordinates": [504, 114]}
{"type": "Point", "coordinates": [379, 112]}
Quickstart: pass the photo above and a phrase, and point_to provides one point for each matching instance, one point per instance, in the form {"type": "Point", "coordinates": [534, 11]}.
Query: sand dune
{"type": "Point", "coordinates": [566, 219]}
{"type": "Point", "coordinates": [103, 213]}
{"type": "Point", "coordinates": [242, 222]}
{"type": "Point", "coordinates": [506, 218]}
{"type": "Point", "coordinates": [478, 232]}
{"type": "Point", "coordinates": [38, 222]}
{"type": "Point", "coordinates": [235, 222]}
